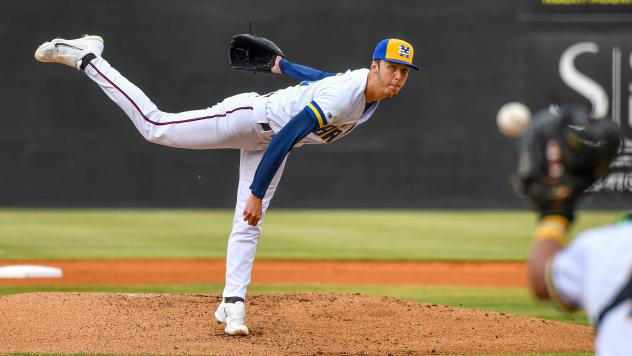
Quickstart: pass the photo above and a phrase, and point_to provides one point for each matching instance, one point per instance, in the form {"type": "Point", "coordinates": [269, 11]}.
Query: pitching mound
{"type": "Point", "coordinates": [280, 324]}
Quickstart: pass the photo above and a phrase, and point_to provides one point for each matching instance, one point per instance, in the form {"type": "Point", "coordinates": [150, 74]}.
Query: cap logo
{"type": "Point", "coordinates": [404, 51]}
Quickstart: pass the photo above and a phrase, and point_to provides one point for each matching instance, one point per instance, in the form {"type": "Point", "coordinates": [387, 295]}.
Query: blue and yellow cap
{"type": "Point", "coordinates": [395, 50]}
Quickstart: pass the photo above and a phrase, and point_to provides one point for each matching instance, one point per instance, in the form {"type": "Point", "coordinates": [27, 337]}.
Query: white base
{"type": "Point", "coordinates": [30, 271]}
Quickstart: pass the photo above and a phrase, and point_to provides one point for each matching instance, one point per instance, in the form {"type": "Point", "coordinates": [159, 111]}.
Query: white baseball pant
{"type": "Point", "coordinates": [232, 123]}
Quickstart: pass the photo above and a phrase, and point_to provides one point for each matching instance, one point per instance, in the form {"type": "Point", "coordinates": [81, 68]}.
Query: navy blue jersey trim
{"type": "Point", "coordinates": [301, 73]}
{"type": "Point", "coordinates": [295, 130]}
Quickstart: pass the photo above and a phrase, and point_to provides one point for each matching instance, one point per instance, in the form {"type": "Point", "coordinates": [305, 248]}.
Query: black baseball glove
{"type": "Point", "coordinates": [562, 153]}
{"type": "Point", "coordinates": [252, 53]}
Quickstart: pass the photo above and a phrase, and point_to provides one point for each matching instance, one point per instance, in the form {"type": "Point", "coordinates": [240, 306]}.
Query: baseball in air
{"type": "Point", "coordinates": [512, 118]}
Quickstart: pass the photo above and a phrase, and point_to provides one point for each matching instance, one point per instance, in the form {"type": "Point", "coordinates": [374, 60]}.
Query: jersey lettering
{"type": "Point", "coordinates": [331, 133]}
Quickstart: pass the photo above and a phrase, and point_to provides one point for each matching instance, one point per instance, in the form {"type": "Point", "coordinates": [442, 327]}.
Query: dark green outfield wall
{"type": "Point", "coordinates": [63, 143]}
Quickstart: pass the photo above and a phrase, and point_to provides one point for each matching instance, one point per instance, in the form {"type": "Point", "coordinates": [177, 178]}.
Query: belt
{"type": "Point", "coordinates": [260, 104]}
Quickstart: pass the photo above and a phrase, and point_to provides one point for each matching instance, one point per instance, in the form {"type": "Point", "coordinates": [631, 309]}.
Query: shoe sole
{"type": "Point", "coordinates": [93, 38]}
{"type": "Point", "coordinates": [40, 52]}
{"type": "Point", "coordinates": [241, 331]}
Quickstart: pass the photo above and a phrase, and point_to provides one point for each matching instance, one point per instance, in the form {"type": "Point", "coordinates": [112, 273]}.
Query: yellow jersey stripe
{"type": "Point", "coordinates": [317, 113]}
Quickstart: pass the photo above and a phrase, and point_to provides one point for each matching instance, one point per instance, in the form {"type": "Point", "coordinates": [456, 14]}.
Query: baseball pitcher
{"type": "Point", "coordinates": [323, 108]}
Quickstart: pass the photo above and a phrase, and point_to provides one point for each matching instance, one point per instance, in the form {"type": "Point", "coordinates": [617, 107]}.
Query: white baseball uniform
{"type": "Point", "coordinates": [239, 122]}
{"type": "Point", "coordinates": [340, 97]}
{"type": "Point", "coordinates": [588, 274]}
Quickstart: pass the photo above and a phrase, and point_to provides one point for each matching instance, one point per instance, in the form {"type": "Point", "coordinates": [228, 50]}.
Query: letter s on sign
{"type": "Point", "coordinates": [581, 83]}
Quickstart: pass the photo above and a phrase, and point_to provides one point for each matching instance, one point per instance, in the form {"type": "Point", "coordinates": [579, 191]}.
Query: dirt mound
{"type": "Point", "coordinates": [281, 324]}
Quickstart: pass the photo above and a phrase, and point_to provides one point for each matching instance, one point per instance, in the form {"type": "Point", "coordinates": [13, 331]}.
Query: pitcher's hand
{"type": "Point", "coordinates": [253, 210]}
{"type": "Point", "coordinates": [276, 68]}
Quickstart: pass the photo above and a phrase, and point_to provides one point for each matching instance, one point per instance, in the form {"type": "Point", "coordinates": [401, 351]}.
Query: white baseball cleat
{"type": "Point", "coordinates": [69, 52]}
{"type": "Point", "coordinates": [233, 314]}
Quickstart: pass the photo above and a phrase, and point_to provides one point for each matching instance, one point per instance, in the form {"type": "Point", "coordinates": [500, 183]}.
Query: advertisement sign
{"type": "Point", "coordinates": [593, 70]}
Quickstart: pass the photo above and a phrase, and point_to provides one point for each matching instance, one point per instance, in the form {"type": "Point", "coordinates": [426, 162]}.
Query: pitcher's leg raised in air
{"type": "Point", "coordinates": [220, 126]}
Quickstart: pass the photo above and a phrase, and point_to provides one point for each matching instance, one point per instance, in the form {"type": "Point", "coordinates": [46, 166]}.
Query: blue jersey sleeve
{"type": "Point", "coordinates": [302, 73]}
{"type": "Point", "coordinates": [300, 126]}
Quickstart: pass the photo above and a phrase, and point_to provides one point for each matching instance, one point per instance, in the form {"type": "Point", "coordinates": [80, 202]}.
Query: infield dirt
{"type": "Point", "coordinates": [281, 324]}
{"type": "Point", "coordinates": [497, 274]}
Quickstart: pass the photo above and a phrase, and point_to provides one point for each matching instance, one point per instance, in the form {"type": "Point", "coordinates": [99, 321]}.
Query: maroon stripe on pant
{"type": "Point", "coordinates": [167, 122]}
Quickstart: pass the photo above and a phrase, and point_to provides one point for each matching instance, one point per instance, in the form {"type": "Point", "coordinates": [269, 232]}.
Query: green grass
{"type": "Point", "coordinates": [305, 234]}
{"type": "Point", "coordinates": [322, 234]}
{"type": "Point", "coordinates": [506, 300]}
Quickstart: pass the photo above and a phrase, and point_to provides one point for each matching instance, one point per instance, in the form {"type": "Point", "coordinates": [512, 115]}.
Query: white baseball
{"type": "Point", "coordinates": [512, 118]}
